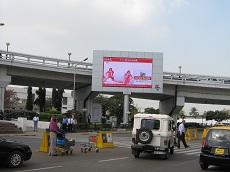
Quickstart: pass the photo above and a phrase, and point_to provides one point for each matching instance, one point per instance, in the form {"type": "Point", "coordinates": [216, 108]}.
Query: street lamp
{"type": "Point", "coordinates": [7, 45]}
{"type": "Point", "coordinates": [180, 69]}
{"type": "Point", "coordinates": [69, 58]}
{"type": "Point", "coordinates": [74, 81]}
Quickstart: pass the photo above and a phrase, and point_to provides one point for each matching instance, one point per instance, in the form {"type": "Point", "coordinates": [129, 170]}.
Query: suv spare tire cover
{"type": "Point", "coordinates": [144, 135]}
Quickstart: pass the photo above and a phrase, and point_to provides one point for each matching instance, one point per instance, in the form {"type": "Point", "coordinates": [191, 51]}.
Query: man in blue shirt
{"type": "Point", "coordinates": [181, 134]}
{"type": "Point", "coordinates": [64, 124]}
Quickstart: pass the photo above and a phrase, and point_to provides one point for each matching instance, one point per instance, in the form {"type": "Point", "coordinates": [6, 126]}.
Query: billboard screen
{"type": "Point", "coordinates": [127, 72]}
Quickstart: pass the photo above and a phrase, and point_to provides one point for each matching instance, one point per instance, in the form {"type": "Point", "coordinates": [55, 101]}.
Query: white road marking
{"type": "Point", "coordinates": [38, 169]}
{"type": "Point", "coordinates": [113, 159]}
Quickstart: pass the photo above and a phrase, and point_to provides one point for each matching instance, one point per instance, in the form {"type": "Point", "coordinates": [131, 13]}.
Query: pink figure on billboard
{"type": "Point", "coordinates": [127, 77]}
{"type": "Point", "coordinates": [110, 74]}
{"type": "Point", "coordinates": [109, 77]}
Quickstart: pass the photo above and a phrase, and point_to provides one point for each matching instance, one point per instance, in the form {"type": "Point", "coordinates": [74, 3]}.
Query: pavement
{"type": "Point", "coordinates": [39, 134]}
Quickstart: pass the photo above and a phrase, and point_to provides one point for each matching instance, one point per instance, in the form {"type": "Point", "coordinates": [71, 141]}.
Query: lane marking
{"type": "Point", "coordinates": [38, 169]}
{"type": "Point", "coordinates": [106, 160]}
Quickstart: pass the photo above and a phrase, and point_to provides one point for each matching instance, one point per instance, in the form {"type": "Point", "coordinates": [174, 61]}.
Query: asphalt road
{"type": "Point", "coordinates": [114, 159]}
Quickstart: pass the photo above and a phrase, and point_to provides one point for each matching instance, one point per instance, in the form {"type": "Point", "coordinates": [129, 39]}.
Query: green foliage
{"type": "Point", "coordinates": [151, 110]}
{"type": "Point", "coordinates": [44, 116]}
{"type": "Point", "coordinates": [194, 112]}
{"type": "Point", "coordinates": [217, 115]}
{"type": "Point", "coordinates": [57, 95]}
{"type": "Point", "coordinates": [29, 102]}
{"type": "Point", "coordinates": [41, 99]}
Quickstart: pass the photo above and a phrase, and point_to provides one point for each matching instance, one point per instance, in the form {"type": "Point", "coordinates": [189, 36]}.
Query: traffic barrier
{"type": "Point", "coordinates": [205, 132]}
{"type": "Point", "coordinates": [104, 139]}
{"type": "Point", "coordinates": [45, 142]}
{"type": "Point", "coordinates": [191, 134]}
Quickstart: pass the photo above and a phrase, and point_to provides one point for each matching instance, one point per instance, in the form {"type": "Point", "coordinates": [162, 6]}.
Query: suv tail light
{"type": "Point", "coordinates": [165, 142]}
{"type": "Point", "coordinates": [133, 139]}
{"type": "Point", "coordinates": [203, 144]}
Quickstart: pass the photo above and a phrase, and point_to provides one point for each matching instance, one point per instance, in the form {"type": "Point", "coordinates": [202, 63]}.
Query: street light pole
{"type": "Point", "coordinates": [180, 69]}
{"type": "Point", "coordinates": [74, 81]}
{"type": "Point", "coordinates": [69, 58]}
{"type": "Point", "coordinates": [7, 45]}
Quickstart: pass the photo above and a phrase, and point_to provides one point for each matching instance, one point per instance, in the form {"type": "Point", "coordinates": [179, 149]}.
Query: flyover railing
{"type": "Point", "coordinates": [44, 61]}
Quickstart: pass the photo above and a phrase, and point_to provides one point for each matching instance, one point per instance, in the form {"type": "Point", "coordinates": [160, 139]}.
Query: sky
{"type": "Point", "coordinates": [193, 34]}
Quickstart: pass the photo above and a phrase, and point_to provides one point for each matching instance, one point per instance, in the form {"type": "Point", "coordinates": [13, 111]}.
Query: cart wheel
{"type": "Point", "coordinates": [85, 150]}
{"type": "Point", "coordinates": [97, 150]}
{"type": "Point", "coordinates": [89, 149]}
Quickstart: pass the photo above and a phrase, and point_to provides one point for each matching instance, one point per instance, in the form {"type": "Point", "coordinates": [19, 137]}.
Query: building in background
{"type": "Point", "coordinates": [67, 101]}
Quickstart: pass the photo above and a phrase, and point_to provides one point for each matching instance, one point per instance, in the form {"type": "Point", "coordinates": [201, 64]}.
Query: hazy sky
{"type": "Point", "coordinates": [191, 33]}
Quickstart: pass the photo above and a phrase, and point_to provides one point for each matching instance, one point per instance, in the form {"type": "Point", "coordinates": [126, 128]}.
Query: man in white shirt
{"type": "Point", "coordinates": [181, 134]}
{"type": "Point", "coordinates": [70, 124]}
{"type": "Point", "coordinates": [36, 119]}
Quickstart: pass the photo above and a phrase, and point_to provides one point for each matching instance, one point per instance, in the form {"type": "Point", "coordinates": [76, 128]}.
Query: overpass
{"type": "Point", "coordinates": [36, 71]}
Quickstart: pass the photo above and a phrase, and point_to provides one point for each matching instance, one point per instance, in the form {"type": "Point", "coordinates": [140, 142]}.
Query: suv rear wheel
{"type": "Point", "coordinates": [144, 135]}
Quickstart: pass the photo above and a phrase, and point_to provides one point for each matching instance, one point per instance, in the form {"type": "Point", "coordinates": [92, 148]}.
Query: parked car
{"type": "Point", "coordinates": [153, 133]}
{"type": "Point", "coordinates": [13, 153]}
{"type": "Point", "coordinates": [216, 147]}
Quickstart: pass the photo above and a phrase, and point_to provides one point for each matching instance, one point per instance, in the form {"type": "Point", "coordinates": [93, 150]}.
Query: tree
{"type": "Point", "coordinates": [115, 106]}
{"type": "Point", "coordinates": [181, 114]}
{"type": "Point", "coordinates": [57, 95]}
{"type": "Point", "coordinates": [48, 105]}
{"type": "Point", "coordinates": [194, 112]}
{"type": "Point", "coordinates": [151, 110]}
{"type": "Point", "coordinates": [41, 99]}
{"type": "Point", "coordinates": [29, 102]}
{"type": "Point", "coordinates": [11, 98]}
{"type": "Point", "coordinates": [217, 115]}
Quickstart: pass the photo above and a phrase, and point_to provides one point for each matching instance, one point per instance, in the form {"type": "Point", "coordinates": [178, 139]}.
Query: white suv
{"type": "Point", "coordinates": [153, 133]}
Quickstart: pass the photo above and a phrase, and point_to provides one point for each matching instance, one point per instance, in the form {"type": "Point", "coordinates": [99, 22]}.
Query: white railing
{"type": "Point", "coordinates": [44, 61]}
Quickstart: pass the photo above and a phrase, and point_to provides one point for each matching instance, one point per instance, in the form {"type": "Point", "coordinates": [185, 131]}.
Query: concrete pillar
{"type": "Point", "coordinates": [4, 81]}
{"type": "Point", "coordinates": [166, 106]}
{"type": "Point", "coordinates": [126, 108]}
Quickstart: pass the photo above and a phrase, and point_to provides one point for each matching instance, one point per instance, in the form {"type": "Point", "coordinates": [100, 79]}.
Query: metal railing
{"type": "Point", "coordinates": [44, 61]}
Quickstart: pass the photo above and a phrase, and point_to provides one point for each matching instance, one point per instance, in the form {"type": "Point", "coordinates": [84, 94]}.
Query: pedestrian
{"type": "Point", "coordinates": [89, 118]}
{"type": "Point", "coordinates": [70, 124]}
{"type": "Point", "coordinates": [36, 119]}
{"type": "Point", "coordinates": [64, 123]}
{"type": "Point", "coordinates": [53, 135]}
{"type": "Point", "coordinates": [181, 134]}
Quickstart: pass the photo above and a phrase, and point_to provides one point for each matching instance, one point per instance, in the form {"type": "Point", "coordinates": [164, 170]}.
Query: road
{"type": "Point", "coordinates": [114, 159]}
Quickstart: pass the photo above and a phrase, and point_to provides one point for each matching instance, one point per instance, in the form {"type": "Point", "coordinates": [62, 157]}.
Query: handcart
{"type": "Point", "coordinates": [63, 144]}
{"type": "Point", "coordinates": [92, 142]}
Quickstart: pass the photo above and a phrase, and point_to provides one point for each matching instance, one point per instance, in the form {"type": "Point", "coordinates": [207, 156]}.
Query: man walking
{"type": "Point", "coordinates": [181, 134]}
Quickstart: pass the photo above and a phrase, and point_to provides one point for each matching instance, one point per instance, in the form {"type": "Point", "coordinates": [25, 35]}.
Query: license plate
{"type": "Point", "coordinates": [219, 151]}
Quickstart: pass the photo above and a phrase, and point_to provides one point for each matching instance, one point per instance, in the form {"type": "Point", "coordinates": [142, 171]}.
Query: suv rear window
{"type": "Point", "coordinates": [150, 124]}
{"type": "Point", "coordinates": [219, 136]}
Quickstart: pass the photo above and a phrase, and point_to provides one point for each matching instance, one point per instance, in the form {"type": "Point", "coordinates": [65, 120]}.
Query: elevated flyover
{"type": "Point", "coordinates": [30, 70]}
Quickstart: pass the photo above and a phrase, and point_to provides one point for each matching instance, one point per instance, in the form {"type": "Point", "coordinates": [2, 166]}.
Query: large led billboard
{"type": "Point", "coordinates": [127, 72]}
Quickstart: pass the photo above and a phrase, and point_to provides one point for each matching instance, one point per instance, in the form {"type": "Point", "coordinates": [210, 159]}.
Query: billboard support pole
{"type": "Point", "coordinates": [126, 108]}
